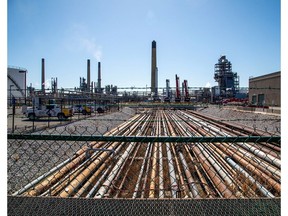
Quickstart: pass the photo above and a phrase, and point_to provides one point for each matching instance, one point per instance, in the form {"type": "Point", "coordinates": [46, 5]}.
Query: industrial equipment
{"type": "Point", "coordinates": [228, 81]}
{"type": "Point", "coordinates": [178, 95]}
{"type": "Point", "coordinates": [168, 93]}
{"type": "Point", "coordinates": [186, 92]}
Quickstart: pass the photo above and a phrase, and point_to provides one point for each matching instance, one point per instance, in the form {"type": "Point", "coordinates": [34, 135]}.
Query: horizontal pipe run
{"type": "Point", "coordinates": [182, 157]}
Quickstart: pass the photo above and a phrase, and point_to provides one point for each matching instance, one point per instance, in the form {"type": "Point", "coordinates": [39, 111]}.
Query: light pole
{"type": "Point", "coordinates": [25, 85]}
{"type": "Point", "coordinates": [10, 95]}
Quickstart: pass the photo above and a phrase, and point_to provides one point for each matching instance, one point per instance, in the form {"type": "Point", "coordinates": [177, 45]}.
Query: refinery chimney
{"type": "Point", "coordinates": [154, 70]}
{"type": "Point", "coordinates": [88, 75]}
{"type": "Point", "coordinates": [43, 76]}
{"type": "Point", "coordinates": [99, 78]}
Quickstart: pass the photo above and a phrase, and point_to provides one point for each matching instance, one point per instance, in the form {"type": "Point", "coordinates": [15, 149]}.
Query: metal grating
{"type": "Point", "coordinates": [71, 206]}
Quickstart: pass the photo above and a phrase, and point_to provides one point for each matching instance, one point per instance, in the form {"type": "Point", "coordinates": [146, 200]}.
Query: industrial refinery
{"type": "Point", "coordinates": [175, 143]}
{"type": "Point", "coordinates": [175, 91]}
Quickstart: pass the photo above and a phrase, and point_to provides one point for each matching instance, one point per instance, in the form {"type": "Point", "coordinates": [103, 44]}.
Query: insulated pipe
{"type": "Point", "coordinates": [118, 166]}
{"type": "Point", "coordinates": [263, 190]}
{"type": "Point", "coordinates": [175, 124]}
{"type": "Point", "coordinates": [190, 179]}
{"type": "Point", "coordinates": [40, 178]}
{"type": "Point", "coordinates": [148, 161]}
{"type": "Point", "coordinates": [271, 171]}
{"type": "Point", "coordinates": [171, 169]}
{"type": "Point", "coordinates": [154, 164]}
{"type": "Point", "coordinates": [95, 175]}
{"type": "Point", "coordinates": [119, 175]}
{"type": "Point", "coordinates": [143, 130]}
{"type": "Point", "coordinates": [161, 167]}
{"type": "Point", "coordinates": [233, 126]}
{"type": "Point", "coordinates": [202, 179]}
{"type": "Point", "coordinates": [213, 174]}
{"type": "Point", "coordinates": [183, 186]}
{"type": "Point", "coordinates": [248, 164]}
{"type": "Point", "coordinates": [213, 161]}
{"type": "Point", "coordinates": [261, 164]}
{"type": "Point", "coordinates": [60, 185]}
{"type": "Point", "coordinates": [143, 164]}
{"type": "Point", "coordinates": [101, 178]}
{"type": "Point", "coordinates": [79, 179]}
{"type": "Point", "coordinates": [147, 167]}
{"type": "Point", "coordinates": [141, 171]}
{"type": "Point", "coordinates": [55, 177]}
{"type": "Point", "coordinates": [260, 154]}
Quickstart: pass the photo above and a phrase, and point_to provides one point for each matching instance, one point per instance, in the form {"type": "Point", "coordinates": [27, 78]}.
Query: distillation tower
{"type": "Point", "coordinates": [228, 81]}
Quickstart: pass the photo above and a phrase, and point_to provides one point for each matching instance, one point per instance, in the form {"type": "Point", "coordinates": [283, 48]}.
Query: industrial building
{"type": "Point", "coordinates": [265, 90]}
{"type": "Point", "coordinates": [16, 83]}
{"type": "Point", "coordinates": [228, 81]}
{"type": "Point", "coordinates": [144, 153]}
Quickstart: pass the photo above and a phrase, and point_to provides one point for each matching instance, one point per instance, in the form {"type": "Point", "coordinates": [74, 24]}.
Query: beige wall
{"type": "Point", "coordinates": [267, 86]}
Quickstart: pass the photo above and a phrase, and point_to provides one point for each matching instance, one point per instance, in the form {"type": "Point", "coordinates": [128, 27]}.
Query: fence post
{"type": "Point", "coordinates": [13, 113]}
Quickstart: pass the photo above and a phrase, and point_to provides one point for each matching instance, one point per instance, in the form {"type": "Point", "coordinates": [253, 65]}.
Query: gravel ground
{"type": "Point", "coordinates": [28, 159]}
{"type": "Point", "coordinates": [262, 121]}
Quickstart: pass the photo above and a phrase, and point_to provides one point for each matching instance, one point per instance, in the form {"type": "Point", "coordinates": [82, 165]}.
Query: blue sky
{"type": "Point", "coordinates": [191, 35]}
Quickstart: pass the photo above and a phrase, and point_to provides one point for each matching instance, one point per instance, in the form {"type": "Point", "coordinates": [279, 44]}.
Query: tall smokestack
{"type": "Point", "coordinates": [153, 68]}
{"type": "Point", "coordinates": [43, 76]}
{"type": "Point", "coordinates": [99, 78]}
{"type": "Point", "coordinates": [88, 75]}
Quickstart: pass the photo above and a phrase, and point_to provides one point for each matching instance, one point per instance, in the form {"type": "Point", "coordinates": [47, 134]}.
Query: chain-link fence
{"type": "Point", "coordinates": [148, 153]}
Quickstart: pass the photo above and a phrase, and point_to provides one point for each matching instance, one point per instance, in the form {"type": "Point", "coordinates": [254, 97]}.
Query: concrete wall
{"type": "Point", "coordinates": [265, 90]}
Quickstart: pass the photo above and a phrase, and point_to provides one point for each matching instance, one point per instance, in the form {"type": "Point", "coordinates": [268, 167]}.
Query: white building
{"type": "Point", "coordinates": [16, 84]}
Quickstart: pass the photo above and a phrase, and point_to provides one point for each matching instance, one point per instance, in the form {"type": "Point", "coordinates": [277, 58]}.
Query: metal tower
{"type": "Point", "coordinates": [228, 81]}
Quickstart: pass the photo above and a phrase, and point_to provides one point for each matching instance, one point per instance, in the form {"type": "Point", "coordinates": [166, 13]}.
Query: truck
{"type": "Point", "coordinates": [89, 108]}
{"type": "Point", "coordinates": [40, 110]}
{"type": "Point", "coordinates": [49, 110]}
{"type": "Point", "coordinates": [84, 109]}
